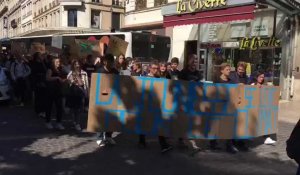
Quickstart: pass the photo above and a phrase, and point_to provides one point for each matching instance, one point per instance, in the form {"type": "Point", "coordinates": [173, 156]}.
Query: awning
{"type": "Point", "coordinates": [213, 16]}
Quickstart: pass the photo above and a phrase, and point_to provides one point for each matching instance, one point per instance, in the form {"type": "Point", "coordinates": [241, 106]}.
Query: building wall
{"type": "Point", "coordinates": [46, 14]}
{"type": "Point", "coordinates": [27, 16]}
{"type": "Point", "coordinates": [181, 34]}
{"type": "Point", "coordinates": [14, 14]}
{"type": "Point", "coordinates": [3, 18]}
{"type": "Point", "coordinates": [84, 15]}
{"type": "Point", "coordinates": [151, 14]}
{"type": "Point", "coordinates": [53, 14]}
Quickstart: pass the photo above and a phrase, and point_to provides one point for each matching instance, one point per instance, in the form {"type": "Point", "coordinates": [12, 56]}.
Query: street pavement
{"type": "Point", "coordinates": [27, 148]}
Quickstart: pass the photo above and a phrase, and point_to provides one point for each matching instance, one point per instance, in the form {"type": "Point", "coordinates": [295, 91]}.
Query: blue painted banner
{"type": "Point", "coordinates": [153, 106]}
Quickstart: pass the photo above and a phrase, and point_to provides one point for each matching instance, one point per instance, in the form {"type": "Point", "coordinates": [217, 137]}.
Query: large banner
{"type": "Point", "coordinates": [153, 106]}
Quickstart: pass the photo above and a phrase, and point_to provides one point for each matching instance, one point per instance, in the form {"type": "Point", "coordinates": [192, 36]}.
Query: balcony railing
{"type": "Point", "coordinates": [118, 3]}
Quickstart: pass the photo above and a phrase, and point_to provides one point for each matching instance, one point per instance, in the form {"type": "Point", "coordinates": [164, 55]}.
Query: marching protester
{"type": "Point", "coordinates": [225, 79]}
{"type": "Point", "coordinates": [145, 70]}
{"type": "Point", "coordinates": [259, 80]}
{"type": "Point", "coordinates": [108, 68]}
{"type": "Point", "coordinates": [38, 72]}
{"type": "Point", "coordinates": [169, 66]}
{"type": "Point", "coordinates": [165, 147]}
{"type": "Point", "coordinates": [164, 73]}
{"type": "Point", "coordinates": [55, 80]}
{"type": "Point", "coordinates": [122, 66]}
{"type": "Point", "coordinates": [121, 63]}
{"type": "Point", "coordinates": [78, 91]}
{"type": "Point", "coordinates": [189, 73]}
{"type": "Point", "coordinates": [174, 68]}
{"type": "Point", "coordinates": [239, 76]}
{"type": "Point", "coordinates": [137, 69]}
{"type": "Point", "coordinates": [20, 72]}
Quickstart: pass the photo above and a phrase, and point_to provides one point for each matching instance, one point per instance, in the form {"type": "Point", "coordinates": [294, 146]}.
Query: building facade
{"type": "Point", "coordinates": [26, 17]}
{"type": "Point", "coordinates": [145, 15]}
{"type": "Point", "coordinates": [14, 18]}
{"type": "Point", "coordinates": [3, 19]}
{"type": "Point", "coordinates": [99, 15]}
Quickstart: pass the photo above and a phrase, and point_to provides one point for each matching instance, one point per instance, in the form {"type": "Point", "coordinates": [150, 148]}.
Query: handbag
{"type": "Point", "coordinates": [76, 91]}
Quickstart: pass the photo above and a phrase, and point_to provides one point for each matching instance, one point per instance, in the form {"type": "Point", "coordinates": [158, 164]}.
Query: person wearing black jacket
{"type": "Point", "coordinates": [174, 72]}
{"type": "Point", "coordinates": [189, 73]}
{"type": "Point", "coordinates": [293, 145]}
{"type": "Point", "coordinates": [38, 75]}
{"type": "Point", "coordinates": [163, 72]}
{"type": "Point", "coordinates": [107, 68]}
{"type": "Point", "coordinates": [224, 78]}
{"type": "Point", "coordinates": [137, 69]}
{"type": "Point", "coordinates": [55, 79]}
{"type": "Point", "coordinates": [165, 147]}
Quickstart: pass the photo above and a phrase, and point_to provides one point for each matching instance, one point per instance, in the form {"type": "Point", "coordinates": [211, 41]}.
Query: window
{"type": "Point", "coordinates": [115, 21]}
{"type": "Point", "coordinates": [72, 18]}
{"type": "Point", "coordinates": [160, 2]}
{"type": "Point", "coordinates": [141, 4]}
{"type": "Point", "coordinates": [95, 19]}
{"type": "Point", "coordinates": [116, 2]}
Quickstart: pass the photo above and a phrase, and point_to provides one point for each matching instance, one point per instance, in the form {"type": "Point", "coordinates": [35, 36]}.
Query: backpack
{"type": "Point", "coordinates": [293, 144]}
{"type": "Point", "coordinates": [24, 66]}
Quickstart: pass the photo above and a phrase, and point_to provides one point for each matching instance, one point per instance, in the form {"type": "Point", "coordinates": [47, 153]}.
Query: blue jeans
{"type": "Point", "coordinates": [298, 172]}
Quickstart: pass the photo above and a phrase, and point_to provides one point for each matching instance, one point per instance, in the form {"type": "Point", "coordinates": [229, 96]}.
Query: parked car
{"type": "Point", "coordinates": [4, 86]}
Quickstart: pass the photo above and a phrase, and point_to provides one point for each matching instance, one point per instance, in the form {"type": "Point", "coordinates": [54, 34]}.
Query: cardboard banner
{"type": "Point", "coordinates": [153, 106]}
{"type": "Point", "coordinates": [117, 46]}
{"type": "Point", "coordinates": [86, 47]}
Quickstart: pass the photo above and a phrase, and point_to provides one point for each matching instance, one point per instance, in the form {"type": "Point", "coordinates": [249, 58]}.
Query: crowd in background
{"type": "Point", "coordinates": [64, 83]}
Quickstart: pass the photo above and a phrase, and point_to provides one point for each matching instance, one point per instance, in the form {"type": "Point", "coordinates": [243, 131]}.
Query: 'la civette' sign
{"type": "Point", "coordinates": [196, 5]}
{"type": "Point", "coordinates": [257, 42]}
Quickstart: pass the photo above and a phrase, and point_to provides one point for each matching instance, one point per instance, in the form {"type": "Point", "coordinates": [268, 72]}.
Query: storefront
{"type": "Point", "coordinates": [229, 31]}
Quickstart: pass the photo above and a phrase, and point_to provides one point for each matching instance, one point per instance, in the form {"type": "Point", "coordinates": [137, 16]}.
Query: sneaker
{"type": "Point", "coordinates": [42, 115]}
{"type": "Point", "coordinates": [49, 126]}
{"type": "Point", "coordinates": [166, 149]}
{"type": "Point", "coordinates": [100, 143]}
{"type": "Point", "coordinates": [59, 126]}
{"type": "Point", "coordinates": [77, 127]}
{"type": "Point", "coordinates": [110, 141]}
{"type": "Point", "coordinates": [232, 149]}
{"type": "Point", "coordinates": [269, 141]}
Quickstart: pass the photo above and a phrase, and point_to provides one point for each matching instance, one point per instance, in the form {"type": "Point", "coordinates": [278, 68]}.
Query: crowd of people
{"type": "Point", "coordinates": [65, 83]}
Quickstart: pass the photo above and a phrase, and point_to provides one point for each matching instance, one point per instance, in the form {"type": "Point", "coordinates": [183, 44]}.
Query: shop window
{"type": "Point", "coordinates": [95, 19]}
{"type": "Point", "coordinates": [141, 4]}
{"type": "Point", "coordinates": [160, 2]}
{"type": "Point", "coordinates": [72, 18]}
